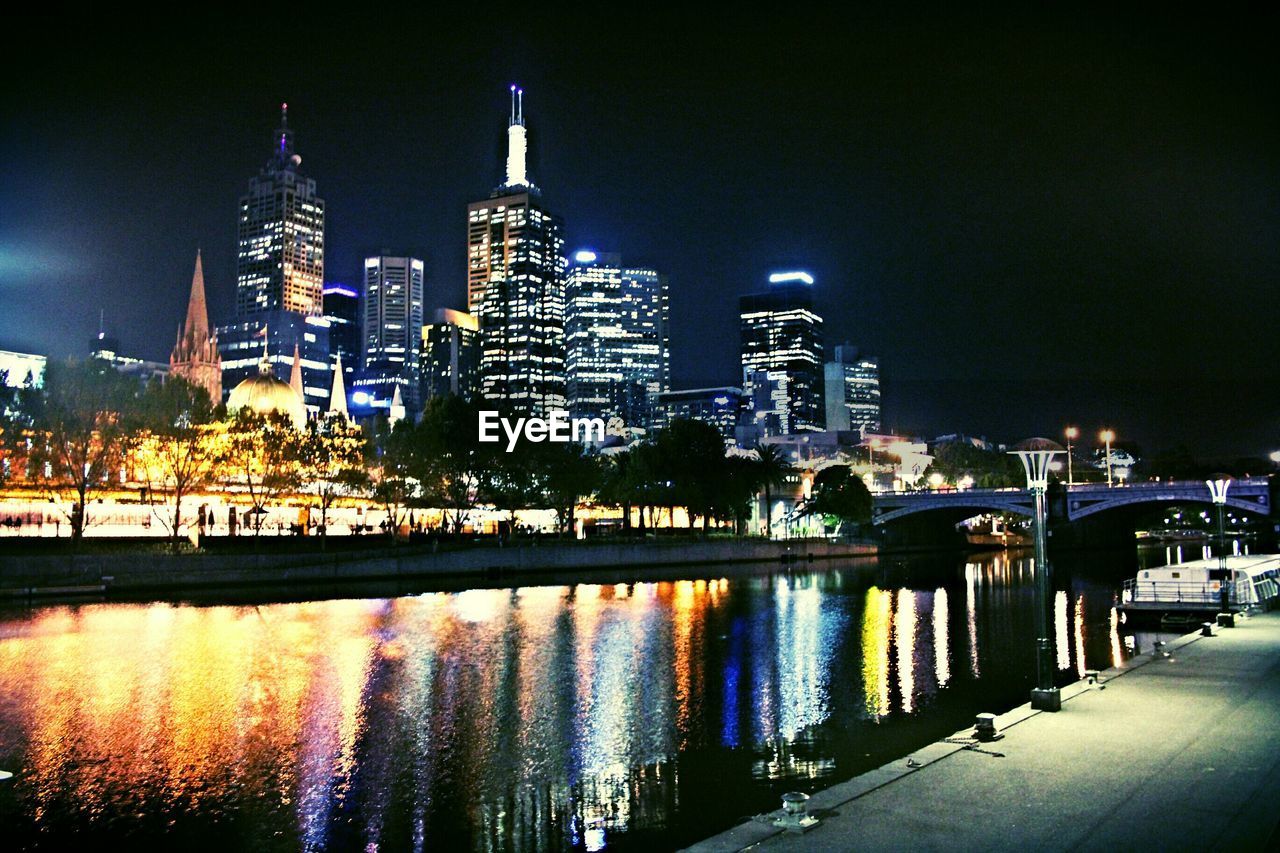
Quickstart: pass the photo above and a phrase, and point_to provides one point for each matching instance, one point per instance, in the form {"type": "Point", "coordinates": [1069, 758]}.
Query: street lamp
{"type": "Point", "coordinates": [1218, 493]}
{"type": "Point", "coordinates": [1035, 455]}
{"type": "Point", "coordinates": [1108, 436]}
{"type": "Point", "coordinates": [1072, 432]}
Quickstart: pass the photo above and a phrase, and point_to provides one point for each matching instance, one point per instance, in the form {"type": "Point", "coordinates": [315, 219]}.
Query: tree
{"type": "Point", "coordinates": [449, 459]}
{"type": "Point", "coordinates": [692, 458]}
{"type": "Point", "coordinates": [838, 494]}
{"type": "Point", "coordinates": [393, 455]}
{"type": "Point", "coordinates": [617, 485]}
{"type": "Point", "coordinates": [987, 468]}
{"type": "Point", "coordinates": [332, 457]}
{"type": "Point", "coordinates": [80, 425]}
{"type": "Point", "coordinates": [566, 473]}
{"type": "Point", "coordinates": [771, 471]}
{"type": "Point", "coordinates": [177, 448]}
{"type": "Point", "coordinates": [261, 453]}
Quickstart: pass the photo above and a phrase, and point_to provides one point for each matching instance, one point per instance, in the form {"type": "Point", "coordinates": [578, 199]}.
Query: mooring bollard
{"type": "Point", "coordinates": [1226, 620]}
{"type": "Point", "coordinates": [984, 729]}
{"type": "Point", "coordinates": [1206, 629]}
{"type": "Point", "coordinates": [795, 813]}
{"type": "Point", "coordinates": [1091, 675]}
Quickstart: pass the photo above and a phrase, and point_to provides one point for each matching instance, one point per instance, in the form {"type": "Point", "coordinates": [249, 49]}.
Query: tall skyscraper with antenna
{"type": "Point", "coordinates": [280, 275]}
{"type": "Point", "coordinates": [515, 285]}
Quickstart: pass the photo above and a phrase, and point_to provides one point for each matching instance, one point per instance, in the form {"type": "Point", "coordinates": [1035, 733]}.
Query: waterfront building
{"type": "Point", "coordinates": [515, 285]}
{"type": "Point", "coordinates": [264, 394]}
{"type": "Point", "coordinates": [781, 339]}
{"type": "Point", "coordinates": [852, 388]}
{"type": "Point", "coordinates": [390, 330]}
{"type": "Point", "coordinates": [720, 407]}
{"type": "Point", "coordinates": [450, 355]}
{"type": "Point", "coordinates": [616, 338]}
{"type": "Point", "coordinates": [195, 355]}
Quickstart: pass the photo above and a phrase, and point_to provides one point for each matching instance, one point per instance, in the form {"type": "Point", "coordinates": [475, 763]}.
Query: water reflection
{"type": "Point", "coordinates": [541, 718]}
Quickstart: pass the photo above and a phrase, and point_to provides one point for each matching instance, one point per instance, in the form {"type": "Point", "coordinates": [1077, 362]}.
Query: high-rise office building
{"type": "Point", "coordinates": [342, 310]}
{"type": "Point", "coordinates": [616, 338]}
{"type": "Point", "coordinates": [782, 341]}
{"type": "Point", "coordinates": [280, 257]}
{"type": "Point", "coordinates": [720, 407]}
{"type": "Point", "coordinates": [450, 355]}
{"type": "Point", "coordinates": [853, 391]}
{"type": "Point", "coordinates": [515, 285]}
{"type": "Point", "coordinates": [279, 277]}
{"type": "Point", "coordinates": [390, 330]}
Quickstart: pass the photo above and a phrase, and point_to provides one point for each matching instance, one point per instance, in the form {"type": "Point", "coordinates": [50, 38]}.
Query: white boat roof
{"type": "Point", "coordinates": [1251, 564]}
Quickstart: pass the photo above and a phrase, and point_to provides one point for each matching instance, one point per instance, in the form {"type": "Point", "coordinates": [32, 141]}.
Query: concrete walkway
{"type": "Point", "coordinates": [1175, 753]}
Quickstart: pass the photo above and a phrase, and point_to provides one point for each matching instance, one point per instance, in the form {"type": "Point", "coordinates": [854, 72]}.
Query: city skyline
{"type": "Point", "coordinates": [1113, 268]}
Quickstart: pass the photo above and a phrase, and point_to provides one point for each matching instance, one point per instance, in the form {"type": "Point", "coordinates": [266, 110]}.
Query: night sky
{"type": "Point", "coordinates": [1032, 222]}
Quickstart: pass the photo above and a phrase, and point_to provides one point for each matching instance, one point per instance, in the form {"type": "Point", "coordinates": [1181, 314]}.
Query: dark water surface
{"type": "Point", "coordinates": [629, 716]}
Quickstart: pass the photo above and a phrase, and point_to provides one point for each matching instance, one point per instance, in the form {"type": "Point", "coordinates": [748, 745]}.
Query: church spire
{"type": "Point", "coordinates": [195, 356]}
{"type": "Point", "coordinates": [197, 326]}
{"type": "Point", "coordinates": [338, 393]}
{"type": "Point", "coordinates": [295, 375]}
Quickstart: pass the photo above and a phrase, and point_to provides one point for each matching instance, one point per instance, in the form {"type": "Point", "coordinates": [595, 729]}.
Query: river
{"type": "Point", "coordinates": [583, 717]}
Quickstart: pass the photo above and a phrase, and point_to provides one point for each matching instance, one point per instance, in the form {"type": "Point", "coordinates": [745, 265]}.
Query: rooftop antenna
{"type": "Point", "coordinates": [517, 145]}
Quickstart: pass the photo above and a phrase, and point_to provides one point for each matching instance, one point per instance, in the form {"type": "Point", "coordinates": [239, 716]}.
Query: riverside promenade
{"type": "Point", "coordinates": [1176, 752]}
{"type": "Point", "coordinates": [600, 562]}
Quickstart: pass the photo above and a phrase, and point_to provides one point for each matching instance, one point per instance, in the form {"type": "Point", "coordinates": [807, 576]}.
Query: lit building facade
{"type": "Point", "coordinates": [279, 278]}
{"type": "Point", "coordinates": [240, 345]}
{"type": "Point", "coordinates": [782, 340]}
{"type": "Point", "coordinates": [852, 384]}
{"type": "Point", "coordinates": [342, 310]}
{"type": "Point", "coordinates": [720, 407]}
{"type": "Point", "coordinates": [616, 338]}
{"type": "Point", "coordinates": [450, 360]}
{"type": "Point", "coordinates": [22, 369]}
{"type": "Point", "coordinates": [515, 286]}
{"type": "Point", "coordinates": [391, 329]}
{"type": "Point", "coordinates": [280, 254]}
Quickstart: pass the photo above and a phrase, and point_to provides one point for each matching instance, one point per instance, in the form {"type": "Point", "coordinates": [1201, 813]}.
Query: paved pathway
{"type": "Point", "coordinates": [1176, 753]}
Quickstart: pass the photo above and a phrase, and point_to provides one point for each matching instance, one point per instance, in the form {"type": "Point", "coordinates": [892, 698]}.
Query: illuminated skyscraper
{"type": "Point", "coordinates": [280, 259]}
{"type": "Point", "coordinates": [782, 341]}
{"type": "Point", "coordinates": [853, 391]}
{"type": "Point", "coordinates": [615, 338]}
{"type": "Point", "coordinates": [391, 329]}
{"type": "Point", "coordinates": [342, 310]}
{"type": "Point", "coordinates": [515, 286]}
{"type": "Point", "coordinates": [279, 275]}
{"type": "Point", "coordinates": [450, 355]}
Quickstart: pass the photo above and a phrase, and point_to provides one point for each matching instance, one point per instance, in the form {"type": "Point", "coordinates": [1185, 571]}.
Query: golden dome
{"type": "Point", "coordinates": [264, 394]}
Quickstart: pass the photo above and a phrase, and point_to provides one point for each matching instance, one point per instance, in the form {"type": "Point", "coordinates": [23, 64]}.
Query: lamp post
{"type": "Point", "coordinates": [1218, 493]}
{"type": "Point", "coordinates": [1035, 455]}
{"type": "Point", "coordinates": [1072, 432]}
{"type": "Point", "coordinates": [1108, 436]}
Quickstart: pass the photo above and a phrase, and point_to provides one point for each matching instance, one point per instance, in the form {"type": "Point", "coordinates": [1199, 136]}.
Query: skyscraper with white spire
{"type": "Point", "coordinates": [515, 284]}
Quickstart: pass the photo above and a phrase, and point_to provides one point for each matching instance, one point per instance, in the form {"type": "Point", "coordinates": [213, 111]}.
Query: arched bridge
{"type": "Point", "coordinates": [1069, 503]}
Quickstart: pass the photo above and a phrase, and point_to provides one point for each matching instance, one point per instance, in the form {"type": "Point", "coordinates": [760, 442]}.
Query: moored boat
{"type": "Point", "coordinates": [1204, 587]}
